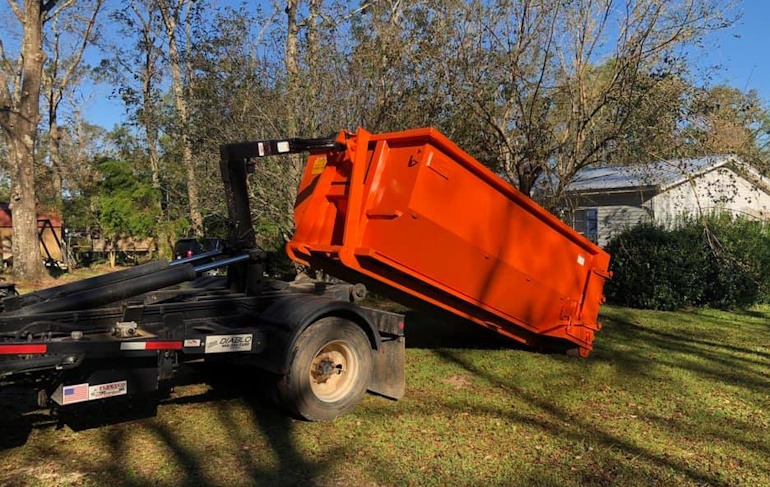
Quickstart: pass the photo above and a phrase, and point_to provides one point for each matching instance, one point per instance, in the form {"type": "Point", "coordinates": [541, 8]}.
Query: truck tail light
{"type": "Point", "coordinates": [26, 349]}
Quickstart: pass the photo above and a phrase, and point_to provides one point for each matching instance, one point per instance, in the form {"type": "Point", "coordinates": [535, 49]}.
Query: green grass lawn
{"type": "Point", "coordinates": [664, 399]}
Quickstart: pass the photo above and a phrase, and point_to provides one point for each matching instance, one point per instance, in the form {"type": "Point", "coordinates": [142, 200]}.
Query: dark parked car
{"type": "Point", "coordinates": [189, 246]}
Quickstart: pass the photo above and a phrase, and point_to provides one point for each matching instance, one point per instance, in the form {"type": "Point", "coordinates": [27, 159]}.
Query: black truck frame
{"type": "Point", "coordinates": [127, 332]}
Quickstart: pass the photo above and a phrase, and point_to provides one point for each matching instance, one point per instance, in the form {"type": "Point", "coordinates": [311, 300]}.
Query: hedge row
{"type": "Point", "coordinates": [720, 262]}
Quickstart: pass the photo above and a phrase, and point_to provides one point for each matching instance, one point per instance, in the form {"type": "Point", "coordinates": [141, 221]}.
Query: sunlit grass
{"type": "Point", "coordinates": [664, 399]}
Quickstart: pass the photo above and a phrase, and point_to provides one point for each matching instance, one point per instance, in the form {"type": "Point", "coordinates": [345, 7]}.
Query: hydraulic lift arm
{"type": "Point", "coordinates": [235, 164]}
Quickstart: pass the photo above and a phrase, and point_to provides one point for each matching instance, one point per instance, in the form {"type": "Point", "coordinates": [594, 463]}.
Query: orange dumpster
{"type": "Point", "coordinates": [417, 218]}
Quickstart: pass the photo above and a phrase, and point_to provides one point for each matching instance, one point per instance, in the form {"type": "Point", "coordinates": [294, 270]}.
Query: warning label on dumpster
{"type": "Point", "coordinates": [228, 343]}
{"type": "Point", "coordinates": [111, 389]}
{"type": "Point", "coordinates": [318, 165]}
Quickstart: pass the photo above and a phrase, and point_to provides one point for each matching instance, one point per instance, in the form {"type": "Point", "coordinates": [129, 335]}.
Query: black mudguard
{"type": "Point", "coordinates": [288, 316]}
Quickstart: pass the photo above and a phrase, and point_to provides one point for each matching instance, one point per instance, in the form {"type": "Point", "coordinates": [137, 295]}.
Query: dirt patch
{"type": "Point", "coordinates": [55, 277]}
{"type": "Point", "coordinates": [48, 474]}
{"type": "Point", "coordinates": [457, 382]}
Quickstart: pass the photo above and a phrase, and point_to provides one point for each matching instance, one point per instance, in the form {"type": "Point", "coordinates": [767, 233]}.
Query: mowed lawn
{"type": "Point", "coordinates": [665, 399]}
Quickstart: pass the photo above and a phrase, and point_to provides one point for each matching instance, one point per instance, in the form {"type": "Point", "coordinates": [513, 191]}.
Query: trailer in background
{"type": "Point", "coordinates": [50, 233]}
{"type": "Point", "coordinates": [82, 247]}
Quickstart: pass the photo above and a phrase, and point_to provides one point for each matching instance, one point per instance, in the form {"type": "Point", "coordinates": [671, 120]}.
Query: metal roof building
{"type": "Point", "coordinates": [604, 200]}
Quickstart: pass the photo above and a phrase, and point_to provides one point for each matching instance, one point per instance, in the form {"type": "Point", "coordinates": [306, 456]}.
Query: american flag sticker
{"type": "Point", "coordinates": [73, 394]}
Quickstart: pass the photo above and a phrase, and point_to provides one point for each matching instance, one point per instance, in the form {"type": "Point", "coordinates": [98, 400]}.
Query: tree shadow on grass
{"type": "Point", "coordinates": [268, 420]}
{"type": "Point", "coordinates": [711, 361]}
{"type": "Point", "coordinates": [716, 428]}
{"type": "Point", "coordinates": [729, 364]}
{"type": "Point", "coordinates": [752, 313]}
{"type": "Point", "coordinates": [561, 422]}
{"type": "Point", "coordinates": [20, 415]}
{"type": "Point", "coordinates": [696, 336]}
{"type": "Point", "coordinates": [247, 416]}
{"type": "Point", "coordinates": [264, 421]}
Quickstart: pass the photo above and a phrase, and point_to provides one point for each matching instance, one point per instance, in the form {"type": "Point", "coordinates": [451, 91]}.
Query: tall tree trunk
{"type": "Point", "coordinates": [54, 137]}
{"type": "Point", "coordinates": [152, 154]}
{"type": "Point", "coordinates": [171, 18]}
{"type": "Point", "coordinates": [22, 131]}
{"type": "Point", "coordinates": [292, 88]}
{"type": "Point", "coordinates": [187, 159]}
{"type": "Point", "coordinates": [292, 56]}
{"type": "Point", "coordinates": [312, 41]}
{"type": "Point", "coordinates": [150, 127]}
{"type": "Point", "coordinates": [149, 112]}
{"type": "Point", "coordinates": [151, 132]}
{"type": "Point", "coordinates": [311, 114]}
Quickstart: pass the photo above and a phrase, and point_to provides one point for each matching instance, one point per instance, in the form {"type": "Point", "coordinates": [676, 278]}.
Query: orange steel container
{"type": "Point", "coordinates": [412, 214]}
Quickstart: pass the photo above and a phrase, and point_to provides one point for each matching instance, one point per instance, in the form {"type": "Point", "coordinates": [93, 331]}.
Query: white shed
{"type": "Point", "coordinates": [603, 201]}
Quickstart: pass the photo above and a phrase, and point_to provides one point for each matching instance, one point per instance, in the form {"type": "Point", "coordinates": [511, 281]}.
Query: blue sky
{"type": "Point", "coordinates": [743, 50]}
{"type": "Point", "coordinates": [740, 52]}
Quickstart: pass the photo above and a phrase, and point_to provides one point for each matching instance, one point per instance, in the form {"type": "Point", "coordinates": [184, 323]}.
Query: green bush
{"type": "Point", "coordinates": [719, 261]}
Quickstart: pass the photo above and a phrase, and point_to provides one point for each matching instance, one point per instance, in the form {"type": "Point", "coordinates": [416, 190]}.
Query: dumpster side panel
{"type": "Point", "coordinates": [456, 233]}
{"type": "Point", "coordinates": [444, 223]}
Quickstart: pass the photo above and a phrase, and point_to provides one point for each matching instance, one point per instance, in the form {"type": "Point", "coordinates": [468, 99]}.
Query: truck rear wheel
{"type": "Point", "coordinates": [329, 371]}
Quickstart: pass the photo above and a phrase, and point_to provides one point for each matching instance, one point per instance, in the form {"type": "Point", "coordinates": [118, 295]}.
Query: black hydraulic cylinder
{"type": "Point", "coordinates": [222, 262]}
{"type": "Point", "coordinates": [111, 293]}
{"type": "Point", "coordinates": [17, 302]}
{"type": "Point", "coordinates": [196, 258]}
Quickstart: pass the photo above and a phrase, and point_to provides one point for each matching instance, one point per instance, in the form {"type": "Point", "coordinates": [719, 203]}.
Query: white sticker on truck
{"type": "Point", "coordinates": [110, 389]}
{"type": "Point", "coordinates": [581, 260]}
{"type": "Point", "coordinates": [228, 343]}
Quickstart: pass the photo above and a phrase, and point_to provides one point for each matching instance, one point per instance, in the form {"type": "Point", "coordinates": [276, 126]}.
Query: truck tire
{"type": "Point", "coordinates": [330, 369]}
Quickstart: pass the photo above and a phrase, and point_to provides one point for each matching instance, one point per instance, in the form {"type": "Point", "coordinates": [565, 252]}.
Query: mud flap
{"type": "Point", "coordinates": [388, 361]}
{"type": "Point", "coordinates": [388, 366]}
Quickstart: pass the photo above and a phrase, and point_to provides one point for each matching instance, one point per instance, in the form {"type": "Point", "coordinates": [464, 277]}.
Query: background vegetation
{"type": "Point", "coordinates": [535, 89]}
{"type": "Point", "coordinates": [716, 261]}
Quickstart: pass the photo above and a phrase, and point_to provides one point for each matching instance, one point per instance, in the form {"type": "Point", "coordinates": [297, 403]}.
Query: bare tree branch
{"type": "Point", "coordinates": [170, 15]}
{"type": "Point", "coordinates": [16, 10]}
{"type": "Point", "coordinates": [87, 37]}
{"type": "Point", "coordinates": [50, 13]}
{"type": "Point", "coordinates": [6, 63]}
{"type": "Point", "coordinates": [17, 78]}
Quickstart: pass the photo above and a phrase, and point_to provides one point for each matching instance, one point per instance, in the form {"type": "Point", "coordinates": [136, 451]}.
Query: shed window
{"type": "Point", "coordinates": [586, 222]}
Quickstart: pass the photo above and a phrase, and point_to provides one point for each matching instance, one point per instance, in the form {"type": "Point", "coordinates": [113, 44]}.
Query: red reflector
{"type": "Point", "coordinates": [189, 253]}
{"type": "Point", "coordinates": [401, 326]}
{"type": "Point", "coordinates": [22, 349]}
{"type": "Point", "coordinates": [163, 346]}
